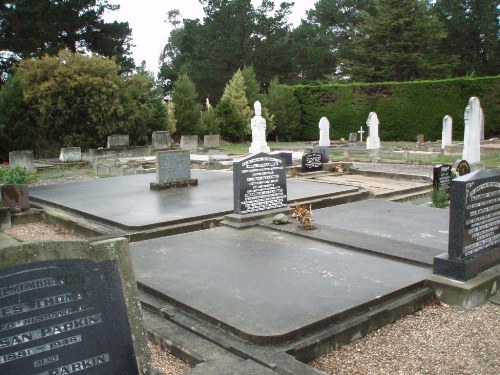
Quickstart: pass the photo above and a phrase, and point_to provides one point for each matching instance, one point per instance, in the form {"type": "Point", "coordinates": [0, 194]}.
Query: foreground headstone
{"type": "Point", "coordinates": [173, 169]}
{"type": "Point", "coordinates": [23, 158]}
{"type": "Point", "coordinates": [474, 234]}
{"type": "Point", "coordinates": [312, 162]}
{"type": "Point", "coordinates": [258, 124]}
{"type": "Point", "coordinates": [259, 183]}
{"type": "Point", "coordinates": [189, 142]}
{"type": "Point", "coordinates": [161, 139]}
{"type": "Point", "coordinates": [472, 132]}
{"type": "Point", "coordinates": [324, 132]}
{"type": "Point", "coordinates": [441, 177]}
{"type": "Point", "coordinates": [70, 154]}
{"type": "Point", "coordinates": [68, 306]}
{"type": "Point", "coordinates": [446, 137]}
{"type": "Point", "coordinates": [373, 140]}
{"type": "Point", "coordinates": [118, 140]}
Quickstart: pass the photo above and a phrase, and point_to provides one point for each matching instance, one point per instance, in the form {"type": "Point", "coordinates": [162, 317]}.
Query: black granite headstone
{"type": "Point", "coordinates": [286, 156]}
{"type": "Point", "coordinates": [64, 316]}
{"type": "Point", "coordinates": [312, 162]}
{"type": "Point", "coordinates": [474, 234]}
{"type": "Point", "coordinates": [259, 183]}
{"type": "Point", "coordinates": [462, 167]}
{"type": "Point", "coordinates": [441, 177]}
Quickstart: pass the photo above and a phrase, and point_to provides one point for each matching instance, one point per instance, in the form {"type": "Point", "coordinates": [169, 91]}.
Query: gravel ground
{"type": "Point", "coordinates": [166, 362]}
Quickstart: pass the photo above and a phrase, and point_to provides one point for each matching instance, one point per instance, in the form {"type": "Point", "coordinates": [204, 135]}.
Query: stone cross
{"type": "Point", "coordinates": [361, 131]}
{"type": "Point", "coordinates": [373, 141]}
{"type": "Point", "coordinates": [324, 132]}
{"type": "Point", "coordinates": [472, 133]}
{"type": "Point", "coordinates": [258, 124]}
{"type": "Point", "coordinates": [446, 134]}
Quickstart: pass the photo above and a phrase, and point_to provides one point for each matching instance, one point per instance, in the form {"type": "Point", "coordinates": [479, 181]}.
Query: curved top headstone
{"type": "Point", "coordinates": [324, 132]}
{"type": "Point", "coordinates": [258, 108]}
{"type": "Point", "coordinates": [373, 140]}
{"type": "Point", "coordinates": [472, 132]}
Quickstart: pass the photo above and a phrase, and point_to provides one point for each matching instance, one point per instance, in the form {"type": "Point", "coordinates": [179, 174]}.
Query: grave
{"type": "Point", "coordinates": [353, 138]}
{"type": "Point", "coordinates": [23, 158]}
{"type": "Point", "coordinates": [211, 141]}
{"type": "Point", "coordinates": [173, 170]}
{"type": "Point", "coordinates": [189, 142]}
{"type": "Point", "coordinates": [461, 167]}
{"type": "Point", "coordinates": [70, 154]}
{"type": "Point", "coordinates": [118, 140]}
{"type": "Point", "coordinates": [324, 151]}
{"type": "Point", "coordinates": [373, 140]}
{"type": "Point", "coordinates": [361, 131]}
{"type": "Point", "coordinates": [324, 132]}
{"type": "Point", "coordinates": [312, 162]}
{"type": "Point", "coordinates": [441, 177]}
{"type": "Point", "coordinates": [161, 139]}
{"type": "Point", "coordinates": [472, 131]}
{"type": "Point", "coordinates": [258, 125]}
{"type": "Point", "coordinates": [474, 234]}
{"type": "Point", "coordinates": [446, 138]}
{"type": "Point", "coordinates": [69, 306]}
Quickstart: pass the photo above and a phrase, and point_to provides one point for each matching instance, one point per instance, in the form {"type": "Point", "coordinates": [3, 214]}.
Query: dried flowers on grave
{"type": "Point", "coordinates": [304, 215]}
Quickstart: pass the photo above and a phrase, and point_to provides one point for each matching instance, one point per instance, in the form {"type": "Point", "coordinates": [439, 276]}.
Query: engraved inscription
{"type": "Point", "coordinates": [80, 365]}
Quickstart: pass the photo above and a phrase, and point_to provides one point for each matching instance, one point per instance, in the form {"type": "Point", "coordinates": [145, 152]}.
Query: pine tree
{"type": "Point", "coordinates": [187, 110]}
{"type": "Point", "coordinates": [285, 108]}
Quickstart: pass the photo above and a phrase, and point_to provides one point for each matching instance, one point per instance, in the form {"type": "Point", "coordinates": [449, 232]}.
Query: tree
{"type": "Point", "coordinates": [33, 28]}
{"type": "Point", "coordinates": [285, 108]}
{"type": "Point", "coordinates": [399, 42]}
{"type": "Point", "coordinates": [187, 109]}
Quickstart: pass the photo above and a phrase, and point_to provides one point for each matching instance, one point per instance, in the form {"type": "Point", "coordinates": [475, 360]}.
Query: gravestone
{"type": "Point", "coordinates": [324, 151]}
{"type": "Point", "coordinates": [472, 132]}
{"type": "Point", "coordinates": [446, 137]}
{"type": "Point", "coordinates": [441, 177]}
{"type": "Point", "coordinates": [324, 132]}
{"type": "Point", "coordinates": [211, 141]}
{"type": "Point", "coordinates": [189, 142]}
{"type": "Point", "coordinates": [161, 139]}
{"type": "Point", "coordinates": [259, 183]}
{"type": "Point", "coordinates": [23, 158]}
{"type": "Point", "coordinates": [118, 140]}
{"type": "Point", "coordinates": [353, 137]}
{"type": "Point", "coordinates": [68, 306]}
{"type": "Point", "coordinates": [286, 156]}
{"type": "Point", "coordinates": [481, 113]}
{"type": "Point", "coordinates": [70, 154]}
{"type": "Point", "coordinates": [420, 138]}
{"type": "Point", "coordinates": [474, 233]}
{"type": "Point", "coordinates": [312, 162]}
{"type": "Point", "coordinates": [361, 131]}
{"type": "Point", "coordinates": [258, 125]}
{"type": "Point", "coordinates": [373, 140]}
{"type": "Point", "coordinates": [461, 167]}
{"type": "Point", "coordinates": [173, 170]}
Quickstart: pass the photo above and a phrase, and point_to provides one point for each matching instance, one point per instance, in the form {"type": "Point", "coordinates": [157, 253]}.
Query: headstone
{"type": "Point", "coordinates": [420, 138]}
{"type": "Point", "coordinates": [312, 162]}
{"type": "Point", "coordinates": [472, 132]}
{"type": "Point", "coordinates": [173, 169]}
{"type": "Point", "coordinates": [118, 140]}
{"type": "Point", "coordinates": [482, 123]}
{"type": "Point", "coordinates": [189, 142]}
{"type": "Point", "coordinates": [461, 167]}
{"type": "Point", "coordinates": [16, 197]}
{"type": "Point", "coordinates": [361, 131]}
{"type": "Point", "coordinates": [258, 124]}
{"type": "Point", "coordinates": [68, 306]}
{"type": "Point", "coordinates": [286, 156]}
{"type": "Point", "coordinates": [324, 151]}
{"type": "Point", "coordinates": [324, 132]}
{"type": "Point", "coordinates": [441, 177]}
{"type": "Point", "coordinates": [23, 158]}
{"type": "Point", "coordinates": [211, 141]}
{"type": "Point", "coordinates": [259, 183]}
{"type": "Point", "coordinates": [474, 233]}
{"type": "Point", "coordinates": [373, 140]}
{"type": "Point", "coordinates": [353, 137]}
{"type": "Point", "coordinates": [161, 139]}
{"type": "Point", "coordinates": [446, 137]}
{"type": "Point", "coordinates": [70, 154]}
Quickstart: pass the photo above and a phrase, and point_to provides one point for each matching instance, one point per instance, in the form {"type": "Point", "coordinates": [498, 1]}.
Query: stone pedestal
{"type": "Point", "coordinates": [70, 154]}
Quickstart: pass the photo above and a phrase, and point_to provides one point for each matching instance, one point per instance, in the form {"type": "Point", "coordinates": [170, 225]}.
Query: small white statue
{"type": "Point", "coordinates": [258, 124]}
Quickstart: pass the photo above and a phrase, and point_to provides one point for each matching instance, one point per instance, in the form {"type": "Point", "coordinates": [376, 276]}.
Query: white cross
{"type": "Point", "coordinates": [361, 131]}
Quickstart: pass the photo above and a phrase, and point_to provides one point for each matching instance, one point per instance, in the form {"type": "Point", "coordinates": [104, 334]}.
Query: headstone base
{"type": "Point", "coordinates": [467, 268]}
{"type": "Point", "coordinates": [323, 150]}
{"type": "Point", "coordinates": [238, 221]}
{"type": "Point", "coordinates": [173, 184]}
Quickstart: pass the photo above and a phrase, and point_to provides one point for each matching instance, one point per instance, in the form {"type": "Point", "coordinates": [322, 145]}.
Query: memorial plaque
{"type": "Point", "coordinates": [173, 165]}
{"type": "Point", "coordinates": [441, 177]}
{"type": "Point", "coordinates": [259, 183]}
{"type": "Point", "coordinates": [62, 317]}
{"type": "Point", "coordinates": [312, 162]}
{"type": "Point", "coordinates": [462, 167]}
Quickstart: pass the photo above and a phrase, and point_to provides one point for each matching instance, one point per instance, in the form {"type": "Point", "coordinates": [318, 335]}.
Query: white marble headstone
{"type": "Point", "coordinates": [447, 130]}
{"type": "Point", "coordinates": [373, 140]}
{"type": "Point", "coordinates": [472, 132]}
{"type": "Point", "coordinates": [324, 132]}
{"type": "Point", "coordinates": [259, 143]}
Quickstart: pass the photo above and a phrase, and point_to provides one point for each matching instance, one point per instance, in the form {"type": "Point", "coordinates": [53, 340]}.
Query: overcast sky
{"type": "Point", "coordinates": [150, 31]}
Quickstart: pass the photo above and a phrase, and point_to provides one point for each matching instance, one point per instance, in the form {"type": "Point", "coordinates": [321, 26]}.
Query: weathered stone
{"type": "Point", "coordinates": [118, 140]}
{"type": "Point", "coordinates": [70, 154]}
{"type": "Point", "coordinates": [23, 158]}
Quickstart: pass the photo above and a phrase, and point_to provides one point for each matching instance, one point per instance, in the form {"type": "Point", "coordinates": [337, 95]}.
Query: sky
{"type": "Point", "coordinates": [150, 32]}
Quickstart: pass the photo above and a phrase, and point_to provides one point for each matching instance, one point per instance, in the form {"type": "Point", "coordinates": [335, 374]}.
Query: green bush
{"type": "Point", "coordinates": [16, 175]}
{"type": "Point", "coordinates": [440, 198]}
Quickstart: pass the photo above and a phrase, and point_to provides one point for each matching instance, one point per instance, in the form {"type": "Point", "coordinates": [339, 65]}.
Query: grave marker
{"type": "Point", "coordinates": [70, 154]}
{"type": "Point", "coordinates": [472, 132]}
{"type": "Point", "coordinates": [118, 140]}
{"type": "Point", "coordinates": [312, 162]}
{"type": "Point", "coordinates": [23, 158]}
{"type": "Point", "coordinates": [161, 139]}
{"type": "Point", "coordinates": [173, 169]}
{"type": "Point", "coordinates": [446, 138]}
{"type": "Point", "coordinates": [462, 167]}
{"type": "Point", "coordinates": [474, 234]}
{"type": "Point", "coordinates": [211, 141]}
{"type": "Point", "coordinates": [324, 132]}
{"type": "Point", "coordinates": [258, 125]}
{"type": "Point", "coordinates": [441, 177]}
{"type": "Point", "coordinates": [259, 183]}
{"type": "Point", "coordinates": [189, 142]}
{"type": "Point", "coordinates": [373, 140]}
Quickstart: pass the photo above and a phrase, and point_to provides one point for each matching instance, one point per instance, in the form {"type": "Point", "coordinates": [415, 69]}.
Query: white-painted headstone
{"type": "Point", "coordinates": [259, 143]}
{"type": "Point", "coordinates": [446, 133]}
{"type": "Point", "coordinates": [361, 131]}
{"type": "Point", "coordinates": [482, 123]}
{"type": "Point", "coordinates": [373, 140]}
{"type": "Point", "coordinates": [472, 132]}
{"type": "Point", "coordinates": [324, 132]}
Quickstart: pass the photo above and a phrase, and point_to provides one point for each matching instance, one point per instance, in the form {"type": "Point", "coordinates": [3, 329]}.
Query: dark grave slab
{"type": "Point", "coordinates": [462, 167]}
{"type": "Point", "coordinates": [474, 236]}
{"type": "Point", "coordinates": [259, 183]}
{"type": "Point", "coordinates": [67, 307]}
{"type": "Point", "coordinates": [441, 177]}
{"type": "Point", "coordinates": [286, 156]}
{"type": "Point", "coordinates": [173, 170]}
{"type": "Point", "coordinates": [312, 162]}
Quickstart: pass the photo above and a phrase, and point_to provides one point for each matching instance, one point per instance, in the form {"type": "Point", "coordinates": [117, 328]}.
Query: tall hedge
{"type": "Point", "coordinates": [404, 109]}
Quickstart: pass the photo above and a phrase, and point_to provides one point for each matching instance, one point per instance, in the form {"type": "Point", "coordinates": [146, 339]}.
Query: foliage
{"type": "Point", "coordinates": [31, 28]}
{"type": "Point", "coordinates": [187, 110]}
{"type": "Point", "coordinates": [171, 121]}
{"type": "Point", "coordinates": [283, 104]}
{"type": "Point", "coordinates": [210, 121]}
{"type": "Point", "coordinates": [440, 198]}
{"type": "Point", "coordinates": [16, 175]}
{"type": "Point", "coordinates": [404, 109]}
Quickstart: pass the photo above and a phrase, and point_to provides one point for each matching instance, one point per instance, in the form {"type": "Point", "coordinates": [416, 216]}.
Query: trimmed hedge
{"type": "Point", "coordinates": [404, 109]}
